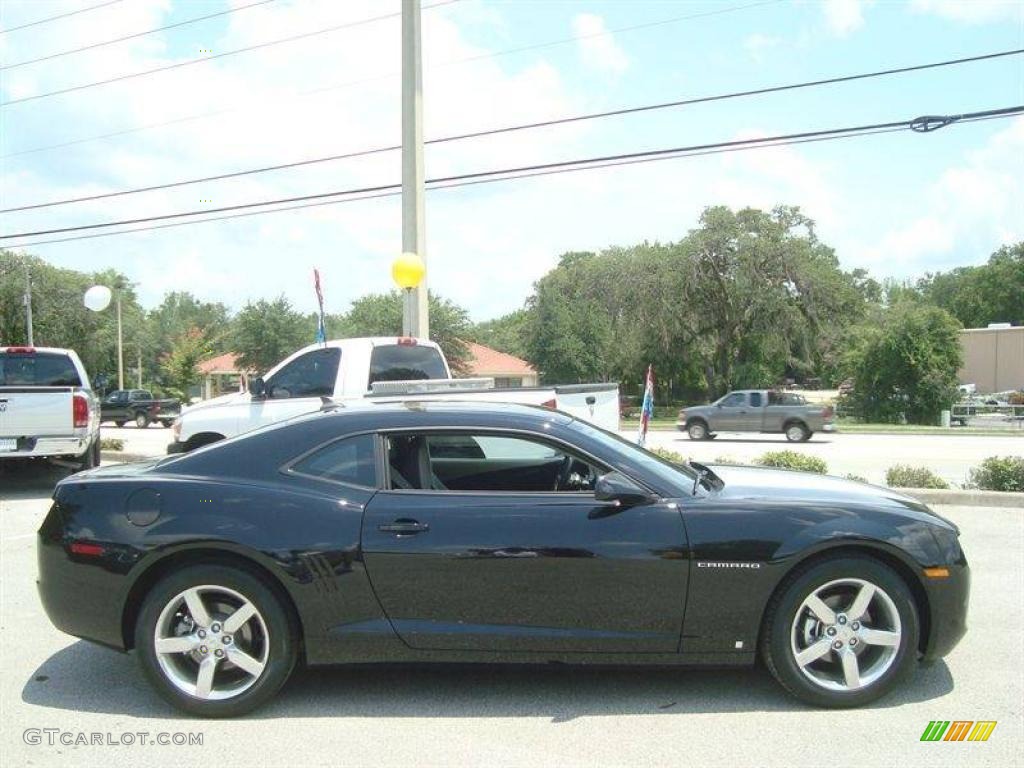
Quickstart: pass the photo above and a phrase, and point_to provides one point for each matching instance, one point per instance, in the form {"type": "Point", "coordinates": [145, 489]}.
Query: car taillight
{"type": "Point", "coordinates": [176, 429]}
{"type": "Point", "coordinates": [406, 341]}
{"type": "Point", "coordinates": [828, 412]}
{"type": "Point", "coordinates": [682, 415]}
{"type": "Point", "coordinates": [86, 548]}
{"type": "Point", "coordinates": [552, 404]}
{"type": "Point", "coordinates": [22, 350]}
{"type": "Point", "coordinates": [80, 411]}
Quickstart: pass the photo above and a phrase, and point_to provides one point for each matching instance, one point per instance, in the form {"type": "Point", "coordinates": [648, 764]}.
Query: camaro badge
{"type": "Point", "coordinates": [725, 564]}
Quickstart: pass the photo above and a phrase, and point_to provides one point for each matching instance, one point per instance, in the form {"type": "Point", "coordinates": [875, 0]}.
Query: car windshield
{"type": "Point", "coordinates": [651, 462]}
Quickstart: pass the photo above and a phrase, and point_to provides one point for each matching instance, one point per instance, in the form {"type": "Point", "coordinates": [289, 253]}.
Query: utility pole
{"type": "Point", "coordinates": [415, 310]}
{"type": "Point", "coordinates": [139, 369]}
{"type": "Point", "coordinates": [120, 345]}
{"type": "Point", "coordinates": [28, 305]}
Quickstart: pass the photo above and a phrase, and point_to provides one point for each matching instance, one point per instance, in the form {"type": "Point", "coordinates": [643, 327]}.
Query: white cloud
{"type": "Point", "coordinates": [597, 47]}
{"type": "Point", "coordinates": [843, 17]}
{"type": "Point", "coordinates": [757, 43]}
{"type": "Point", "coordinates": [972, 209]}
{"type": "Point", "coordinates": [972, 11]}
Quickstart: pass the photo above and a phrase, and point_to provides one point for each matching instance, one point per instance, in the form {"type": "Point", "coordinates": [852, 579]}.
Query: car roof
{"type": "Point", "coordinates": [450, 408]}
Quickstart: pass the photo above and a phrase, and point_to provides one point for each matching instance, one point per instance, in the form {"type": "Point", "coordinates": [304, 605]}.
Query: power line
{"type": "Point", "coordinates": [133, 36]}
{"type": "Point", "coordinates": [918, 124]}
{"type": "Point", "coordinates": [526, 126]}
{"type": "Point", "coordinates": [395, 192]}
{"type": "Point", "coordinates": [178, 65]}
{"type": "Point", "coordinates": [322, 89]}
{"type": "Point", "coordinates": [59, 16]}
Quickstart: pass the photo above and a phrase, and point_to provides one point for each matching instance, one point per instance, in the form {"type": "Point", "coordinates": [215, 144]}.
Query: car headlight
{"type": "Point", "coordinates": [176, 428]}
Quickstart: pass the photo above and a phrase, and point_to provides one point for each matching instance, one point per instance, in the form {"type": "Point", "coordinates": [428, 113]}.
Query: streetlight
{"type": "Point", "coordinates": [407, 271]}
{"type": "Point", "coordinates": [97, 299]}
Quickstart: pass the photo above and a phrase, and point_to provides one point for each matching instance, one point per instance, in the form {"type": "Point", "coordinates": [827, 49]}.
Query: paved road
{"type": "Point", "coordinates": [482, 715]}
{"type": "Point", "coordinates": [866, 455]}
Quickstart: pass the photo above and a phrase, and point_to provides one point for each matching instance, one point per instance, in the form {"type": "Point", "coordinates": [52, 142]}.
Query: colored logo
{"type": "Point", "coordinates": [958, 730]}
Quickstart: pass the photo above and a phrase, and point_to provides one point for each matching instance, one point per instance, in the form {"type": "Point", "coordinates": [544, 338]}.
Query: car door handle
{"type": "Point", "coordinates": [403, 526]}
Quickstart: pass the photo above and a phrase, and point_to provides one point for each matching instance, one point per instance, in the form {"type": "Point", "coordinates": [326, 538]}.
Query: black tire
{"type": "Point", "coordinates": [777, 634]}
{"type": "Point", "coordinates": [166, 423]}
{"type": "Point", "coordinates": [282, 643]}
{"type": "Point", "coordinates": [797, 432]}
{"type": "Point", "coordinates": [119, 423]}
{"type": "Point", "coordinates": [141, 420]}
{"type": "Point", "coordinates": [91, 458]}
{"type": "Point", "coordinates": [697, 430]}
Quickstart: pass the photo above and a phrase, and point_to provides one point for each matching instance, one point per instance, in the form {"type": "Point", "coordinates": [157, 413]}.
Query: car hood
{"type": "Point", "coordinates": [782, 484]}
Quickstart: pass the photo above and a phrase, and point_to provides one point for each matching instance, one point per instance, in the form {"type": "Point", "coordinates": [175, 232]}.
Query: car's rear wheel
{"type": "Point", "coordinates": [118, 423]}
{"type": "Point", "coordinates": [141, 420]}
{"type": "Point", "coordinates": [215, 641]}
{"type": "Point", "coordinates": [841, 633]}
{"type": "Point", "coordinates": [797, 432]}
{"type": "Point", "coordinates": [697, 430]}
{"type": "Point", "coordinates": [91, 458]}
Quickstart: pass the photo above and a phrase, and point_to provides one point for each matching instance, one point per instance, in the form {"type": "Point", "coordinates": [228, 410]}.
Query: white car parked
{"type": "Point", "coordinates": [378, 368]}
{"type": "Point", "coordinates": [47, 408]}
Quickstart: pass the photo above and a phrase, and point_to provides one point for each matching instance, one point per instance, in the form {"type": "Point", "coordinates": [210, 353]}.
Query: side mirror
{"type": "Point", "coordinates": [616, 487]}
{"type": "Point", "coordinates": [257, 388]}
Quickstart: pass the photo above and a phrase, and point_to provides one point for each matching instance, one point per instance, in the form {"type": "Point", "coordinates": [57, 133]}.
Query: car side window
{"type": "Point", "coordinates": [735, 400]}
{"type": "Point", "coordinates": [310, 375]}
{"type": "Point", "coordinates": [351, 460]}
{"type": "Point", "coordinates": [755, 399]}
{"type": "Point", "coordinates": [486, 462]}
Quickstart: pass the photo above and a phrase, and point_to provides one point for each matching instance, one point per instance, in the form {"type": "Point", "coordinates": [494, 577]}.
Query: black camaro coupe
{"type": "Point", "coordinates": [492, 533]}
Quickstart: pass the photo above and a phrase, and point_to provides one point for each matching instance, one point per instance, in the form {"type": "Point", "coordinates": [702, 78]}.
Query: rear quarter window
{"type": "Point", "coordinates": [37, 369]}
{"type": "Point", "coordinates": [351, 460]}
{"type": "Point", "coordinates": [402, 362]}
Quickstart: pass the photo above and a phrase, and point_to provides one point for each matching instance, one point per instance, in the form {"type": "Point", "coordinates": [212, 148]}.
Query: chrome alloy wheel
{"type": "Point", "coordinates": [846, 634]}
{"type": "Point", "coordinates": [794, 433]}
{"type": "Point", "coordinates": [211, 642]}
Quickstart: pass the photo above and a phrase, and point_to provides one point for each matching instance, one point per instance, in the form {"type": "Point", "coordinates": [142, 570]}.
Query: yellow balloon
{"type": "Point", "coordinates": [408, 270]}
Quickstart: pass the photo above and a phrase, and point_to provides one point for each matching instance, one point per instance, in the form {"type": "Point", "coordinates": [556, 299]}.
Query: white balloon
{"type": "Point", "coordinates": [98, 298]}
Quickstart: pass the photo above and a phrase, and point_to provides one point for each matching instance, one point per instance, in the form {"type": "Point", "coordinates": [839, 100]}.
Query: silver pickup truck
{"type": "Point", "coordinates": [758, 410]}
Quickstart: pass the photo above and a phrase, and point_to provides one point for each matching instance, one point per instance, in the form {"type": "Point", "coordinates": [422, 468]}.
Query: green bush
{"type": "Point", "coordinates": [903, 476]}
{"type": "Point", "coordinates": [999, 473]}
{"type": "Point", "coordinates": [793, 460]}
{"type": "Point", "coordinates": [668, 455]}
{"type": "Point", "coordinates": [111, 444]}
{"type": "Point", "coordinates": [857, 478]}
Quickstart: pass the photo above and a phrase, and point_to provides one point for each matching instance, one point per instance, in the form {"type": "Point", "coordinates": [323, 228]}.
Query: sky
{"type": "Point", "coordinates": [898, 204]}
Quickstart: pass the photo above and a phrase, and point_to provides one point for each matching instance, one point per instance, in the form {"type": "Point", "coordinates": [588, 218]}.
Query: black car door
{"type": "Point", "coordinates": [499, 545]}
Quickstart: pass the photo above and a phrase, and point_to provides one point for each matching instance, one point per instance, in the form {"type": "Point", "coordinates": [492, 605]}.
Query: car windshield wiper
{"type": "Point", "coordinates": [705, 476]}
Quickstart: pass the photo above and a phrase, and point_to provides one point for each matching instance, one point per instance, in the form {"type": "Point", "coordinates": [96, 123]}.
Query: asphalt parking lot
{"type": "Point", "coordinates": [478, 715]}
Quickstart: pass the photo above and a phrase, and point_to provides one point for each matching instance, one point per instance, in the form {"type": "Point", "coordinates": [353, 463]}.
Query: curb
{"type": "Point", "coordinates": [122, 457]}
{"type": "Point", "coordinates": [965, 498]}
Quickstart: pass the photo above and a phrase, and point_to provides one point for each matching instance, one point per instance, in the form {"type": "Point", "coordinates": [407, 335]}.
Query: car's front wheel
{"type": "Point", "coordinates": [215, 641]}
{"type": "Point", "coordinates": [841, 633]}
{"type": "Point", "coordinates": [141, 420]}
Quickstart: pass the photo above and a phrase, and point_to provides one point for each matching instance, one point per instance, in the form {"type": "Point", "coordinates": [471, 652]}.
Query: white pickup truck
{"type": "Point", "coordinates": [379, 368]}
{"type": "Point", "coordinates": [47, 409]}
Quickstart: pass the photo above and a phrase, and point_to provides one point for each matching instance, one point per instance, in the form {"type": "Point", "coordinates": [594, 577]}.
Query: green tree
{"type": "Point", "coordinates": [506, 333]}
{"type": "Point", "coordinates": [905, 368]}
{"type": "Point", "coordinates": [179, 366]}
{"type": "Point", "coordinates": [380, 314]}
{"type": "Point", "coordinates": [977, 296]}
{"type": "Point", "coordinates": [265, 332]}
